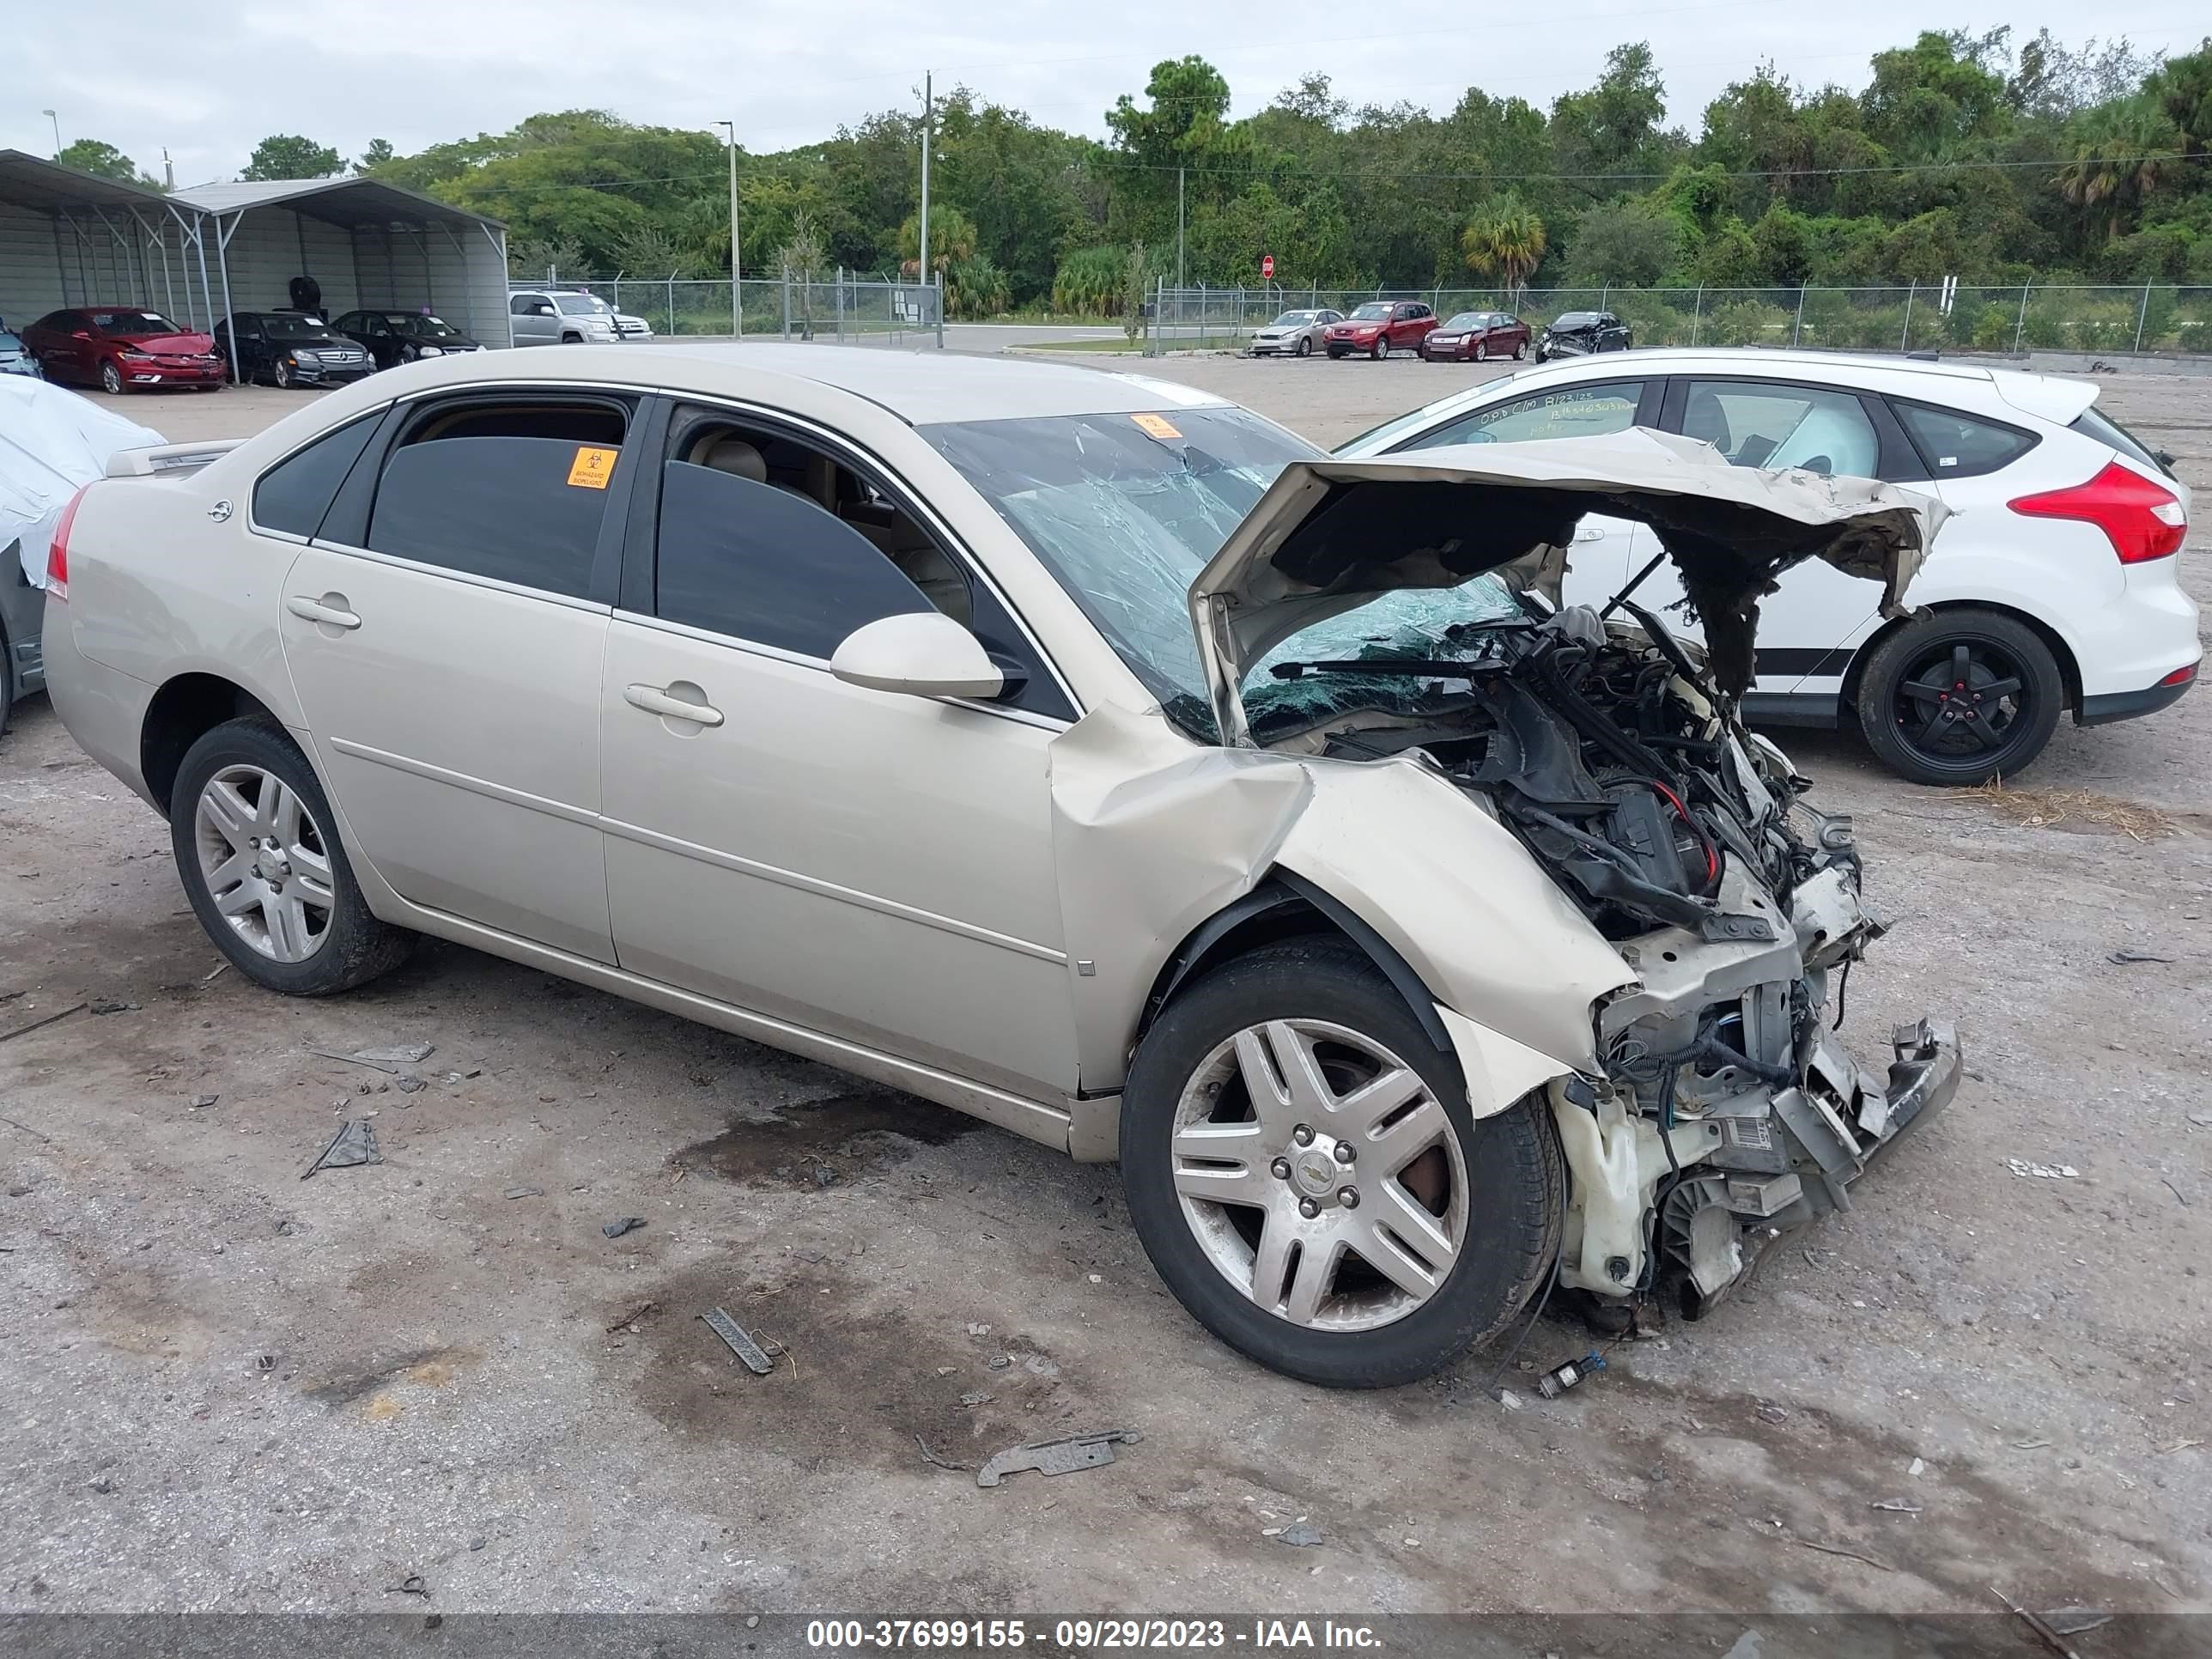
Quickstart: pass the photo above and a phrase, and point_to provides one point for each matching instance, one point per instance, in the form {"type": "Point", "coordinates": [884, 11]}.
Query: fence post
{"type": "Point", "coordinates": [940, 308]}
{"type": "Point", "coordinates": [2020, 328]}
{"type": "Point", "coordinates": [672, 302]}
{"type": "Point", "coordinates": [1697, 317]}
{"type": "Point", "coordinates": [1904, 338]}
{"type": "Point", "coordinates": [1604, 295]}
{"type": "Point", "coordinates": [2143, 316]}
{"type": "Point", "coordinates": [787, 302]}
{"type": "Point", "coordinates": [1797, 329]}
{"type": "Point", "coordinates": [841, 305]}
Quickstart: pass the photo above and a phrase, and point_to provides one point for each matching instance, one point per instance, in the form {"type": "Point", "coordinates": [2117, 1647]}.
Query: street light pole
{"type": "Point", "coordinates": [57, 120]}
{"type": "Point", "coordinates": [737, 314]}
{"type": "Point", "coordinates": [928, 113]}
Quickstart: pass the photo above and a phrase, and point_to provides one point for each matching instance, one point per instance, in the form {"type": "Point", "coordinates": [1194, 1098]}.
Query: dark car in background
{"type": "Point", "coordinates": [15, 357]}
{"type": "Point", "coordinates": [291, 348]}
{"type": "Point", "coordinates": [1475, 337]}
{"type": "Point", "coordinates": [1580, 333]}
{"type": "Point", "coordinates": [1380, 327]}
{"type": "Point", "coordinates": [392, 338]}
{"type": "Point", "coordinates": [123, 349]}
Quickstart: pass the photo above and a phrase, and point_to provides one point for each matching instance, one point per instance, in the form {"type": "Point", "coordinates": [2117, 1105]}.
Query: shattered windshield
{"type": "Point", "coordinates": [1125, 510]}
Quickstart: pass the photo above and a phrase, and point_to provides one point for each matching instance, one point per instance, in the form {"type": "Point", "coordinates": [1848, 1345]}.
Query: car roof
{"type": "Point", "coordinates": [921, 387]}
{"type": "Point", "coordinates": [2050, 398]}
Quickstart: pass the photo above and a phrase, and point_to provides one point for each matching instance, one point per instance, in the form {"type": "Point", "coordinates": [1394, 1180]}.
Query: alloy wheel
{"type": "Point", "coordinates": [1320, 1175]}
{"type": "Point", "coordinates": [283, 372]}
{"type": "Point", "coordinates": [1962, 701]}
{"type": "Point", "coordinates": [110, 379]}
{"type": "Point", "coordinates": [265, 862]}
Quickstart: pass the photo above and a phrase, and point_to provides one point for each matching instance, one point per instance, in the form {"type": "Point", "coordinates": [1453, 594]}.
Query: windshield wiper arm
{"type": "Point", "coordinates": [1634, 582]}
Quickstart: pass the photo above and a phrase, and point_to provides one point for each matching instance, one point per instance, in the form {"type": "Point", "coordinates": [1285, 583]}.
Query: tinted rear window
{"type": "Point", "coordinates": [1956, 446]}
{"type": "Point", "coordinates": [2106, 430]}
{"type": "Point", "coordinates": [293, 495]}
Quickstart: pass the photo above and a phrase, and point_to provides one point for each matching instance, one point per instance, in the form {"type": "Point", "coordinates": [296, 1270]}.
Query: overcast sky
{"type": "Point", "coordinates": [209, 81]}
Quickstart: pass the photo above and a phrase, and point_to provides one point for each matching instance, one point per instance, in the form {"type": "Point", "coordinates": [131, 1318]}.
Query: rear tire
{"type": "Point", "coordinates": [257, 849]}
{"type": "Point", "coordinates": [1994, 670]}
{"type": "Point", "coordinates": [1498, 1181]}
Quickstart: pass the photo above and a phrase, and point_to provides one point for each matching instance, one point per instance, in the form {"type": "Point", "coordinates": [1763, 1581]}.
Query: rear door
{"type": "Point", "coordinates": [1604, 548]}
{"type": "Point", "coordinates": [446, 631]}
{"type": "Point", "coordinates": [1775, 425]}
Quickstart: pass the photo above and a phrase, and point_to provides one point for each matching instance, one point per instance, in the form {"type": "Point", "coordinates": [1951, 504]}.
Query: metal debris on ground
{"type": "Point", "coordinates": [111, 1006]}
{"type": "Point", "coordinates": [740, 1343]}
{"type": "Point", "coordinates": [1299, 1535]}
{"type": "Point", "coordinates": [1510, 1400]}
{"type": "Point", "coordinates": [632, 1317]}
{"type": "Point", "coordinates": [217, 973]}
{"type": "Point", "coordinates": [1771, 1413]}
{"type": "Point", "coordinates": [932, 1458]}
{"type": "Point", "coordinates": [355, 1060]}
{"type": "Point", "coordinates": [1839, 1549]}
{"type": "Point", "coordinates": [412, 1585]}
{"type": "Point", "coordinates": [353, 1146]}
{"type": "Point", "coordinates": [524, 1192]}
{"type": "Point", "coordinates": [408, 1084]}
{"type": "Point", "coordinates": [2050, 1637]}
{"type": "Point", "coordinates": [201, 1103]}
{"type": "Point", "coordinates": [1896, 1508]}
{"type": "Point", "coordinates": [1556, 1381]}
{"type": "Point", "coordinates": [2073, 1621]}
{"type": "Point", "coordinates": [629, 1224]}
{"type": "Point", "coordinates": [1063, 1456]}
{"type": "Point", "coordinates": [403, 1054]}
{"type": "Point", "coordinates": [974, 1398]}
{"type": "Point", "coordinates": [38, 1024]}
{"type": "Point", "coordinates": [2028, 1171]}
{"type": "Point", "coordinates": [2123, 957]}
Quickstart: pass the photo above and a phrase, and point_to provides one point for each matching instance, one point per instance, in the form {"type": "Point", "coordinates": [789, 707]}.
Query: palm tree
{"type": "Point", "coordinates": [2115, 154]}
{"type": "Point", "coordinates": [1505, 239]}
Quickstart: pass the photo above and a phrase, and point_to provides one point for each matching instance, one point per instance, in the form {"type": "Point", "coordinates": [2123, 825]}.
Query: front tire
{"type": "Point", "coordinates": [1960, 697]}
{"type": "Point", "coordinates": [1450, 1225]}
{"type": "Point", "coordinates": [1305, 347]}
{"type": "Point", "coordinates": [1520, 351]}
{"type": "Point", "coordinates": [257, 848]}
{"type": "Point", "coordinates": [282, 374]}
{"type": "Point", "coordinates": [1380, 350]}
{"type": "Point", "coordinates": [110, 379]}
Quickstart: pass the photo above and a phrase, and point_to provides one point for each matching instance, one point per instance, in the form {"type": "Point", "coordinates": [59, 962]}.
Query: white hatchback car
{"type": "Point", "coordinates": [1076, 750]}
{"type": "Point", "coordinates": [2052, 588]}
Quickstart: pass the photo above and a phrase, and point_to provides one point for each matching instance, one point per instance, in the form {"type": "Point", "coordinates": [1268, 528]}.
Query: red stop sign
{"type": "Point", "coordinates": [1267, 265]}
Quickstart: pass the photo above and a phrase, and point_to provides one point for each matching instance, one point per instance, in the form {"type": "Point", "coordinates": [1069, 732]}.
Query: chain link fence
{"type": "Point", "coordinates": [2154, 317]}
{"type": "Point", "coordinates": [847, 310]}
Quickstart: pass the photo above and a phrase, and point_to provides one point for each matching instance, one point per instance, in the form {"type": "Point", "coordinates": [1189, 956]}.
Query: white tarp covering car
{"type": "Point", "coordinates": [52, 443]}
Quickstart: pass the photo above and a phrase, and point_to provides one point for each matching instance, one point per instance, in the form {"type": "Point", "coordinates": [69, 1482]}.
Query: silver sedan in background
{"type": "Point", "coordinates": [1294, 334]}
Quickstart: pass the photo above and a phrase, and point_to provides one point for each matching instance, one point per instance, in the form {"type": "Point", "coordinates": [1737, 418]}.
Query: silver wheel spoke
{"type": "Point", "coordinates": [1311, 1278]}
{"type": "Point", "coordinates": [288, 927]}
{"type": "Point", "coordinates": [1396, 1223]}
{"type": "Point", "coordinates": [1223, 1162]}
{"type": "Point", "coordinates": [262, 864]}
{"type": "Point", "coordinates": [227, 874]}
{"type": "Point", "coordinates": [1407, 1139]}
{"type": "Point", "coordinates": [230, 814]}
{"type": "Point", "coordinates": [281, 812]}
{"type": "Point", "coordinates": [241, 900]}
{"type": "Point", "coordinates": [1359, 1112]}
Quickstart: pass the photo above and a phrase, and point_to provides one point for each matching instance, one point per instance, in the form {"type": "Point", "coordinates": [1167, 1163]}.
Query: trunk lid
{"type": "Point", "coordinates": [1330, 536]}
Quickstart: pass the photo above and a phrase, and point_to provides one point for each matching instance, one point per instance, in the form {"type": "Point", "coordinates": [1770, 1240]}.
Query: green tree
{"type": "Point", "coordinates": [2116, 155]}
{"type": "Point", "coordinates": [103, 159]}
{"type": "Point", "coordinates": [1614, 127]}
{"type": "Point", "coordinates": [377, 154]}
{"type": "Point", "coordinates": [286, 155]}
{"type": "Point", "coordinates": [1627, 244]}
{"type": "Point", "coordinates": [1505, 240]}
{"type": "Point", "coordinates": [951, 239]}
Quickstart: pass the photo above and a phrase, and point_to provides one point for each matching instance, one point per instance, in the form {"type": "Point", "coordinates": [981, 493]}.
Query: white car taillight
{"type": "Point", "coordinates": [2142, 521]}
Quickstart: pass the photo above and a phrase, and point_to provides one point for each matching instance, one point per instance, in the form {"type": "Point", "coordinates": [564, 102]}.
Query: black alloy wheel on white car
{"type": "Point", "coordinates": [1302, 1169]}
{"type": "Point", "coordinates": [1961, 697]}
{"type": "Point", "coordinates": [269, 880]}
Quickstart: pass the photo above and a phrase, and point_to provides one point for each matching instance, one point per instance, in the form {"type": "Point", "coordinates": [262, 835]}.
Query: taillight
{"type": "Point", "coordinates": [2141, 519]}
{"type": "Point", "coordinates": [57, 550]}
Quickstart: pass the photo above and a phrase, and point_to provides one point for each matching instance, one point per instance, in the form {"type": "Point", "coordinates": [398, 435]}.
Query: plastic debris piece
{"type": "Point", "coordinates": [932, 1458]}
{"type": "Point", "coordinates": [353, 1146]}
{"type": "Point", "coordinates": [408, 1084]}
{"type": "Point", "coordinates": [201, 1103]}
{"type": "Point", "coordinates": [524, 1192]}
{"type": "Point", "coordinates": [1556, 1381]}
{"type": "Point", "coordinates": [1299, 1535]}
{"type": "Point", "coordinates": [2028, 1171]}
{"type": "Point", "coordinates": [629, 1224]}
{"type": "Point", "coordinates": [1062, 1457]}
{"type": "Point", "coordinates": [740, 1343]}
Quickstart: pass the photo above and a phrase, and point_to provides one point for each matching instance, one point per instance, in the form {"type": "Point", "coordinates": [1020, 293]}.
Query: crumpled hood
{"type": "Point", "coordinates": [1330, 536]}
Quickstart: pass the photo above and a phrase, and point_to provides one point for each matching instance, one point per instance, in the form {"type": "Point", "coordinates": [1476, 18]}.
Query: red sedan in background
{"type": "Point", "coordinates": [123, 348]}
{"type": "Point", "coordinates": [1474, 336]}
{"type": "Point", "coordinates": [1380, 327]}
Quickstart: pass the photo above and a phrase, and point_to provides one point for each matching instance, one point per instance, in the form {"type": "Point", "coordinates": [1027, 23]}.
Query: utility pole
{"type": "Point", "coordinates": [57, 120]}
{"type": "Point", "coordinates": [1179, 173]}
{"type": "Point", "coordinates": [168, 170]}
{"type": "Point", "coordinates": [736, 312]}
{"type": "Point", "coordinates": [928, 113]}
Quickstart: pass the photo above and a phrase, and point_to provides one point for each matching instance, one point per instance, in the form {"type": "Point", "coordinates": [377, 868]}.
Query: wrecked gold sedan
{"type": "Point", "coordinates": [1072, 749]}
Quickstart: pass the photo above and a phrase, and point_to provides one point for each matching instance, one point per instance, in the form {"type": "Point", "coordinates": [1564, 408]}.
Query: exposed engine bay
{"type": "Point", "coordinates": [1728, 1110]}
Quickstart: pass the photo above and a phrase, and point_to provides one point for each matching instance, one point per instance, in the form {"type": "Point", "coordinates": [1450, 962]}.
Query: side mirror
{"type": "Point", "coordinates": [923, 653]}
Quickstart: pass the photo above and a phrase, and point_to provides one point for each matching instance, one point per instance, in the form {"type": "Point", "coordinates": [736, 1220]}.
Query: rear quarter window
{"type": "Point", "coordinates": [2106, 430]}
{"type": "Point", "coordinates": [1956, 446]}
{"type": "Point", "coordinates": [293, 495]}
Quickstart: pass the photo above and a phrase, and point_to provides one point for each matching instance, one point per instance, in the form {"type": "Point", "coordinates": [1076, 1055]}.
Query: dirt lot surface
{"type": "Point", "coordinates": [228, 1389]}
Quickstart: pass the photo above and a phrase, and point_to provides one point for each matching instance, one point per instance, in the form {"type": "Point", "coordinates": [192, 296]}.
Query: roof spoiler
{"type": "Point", "coordinates": [168, 460]}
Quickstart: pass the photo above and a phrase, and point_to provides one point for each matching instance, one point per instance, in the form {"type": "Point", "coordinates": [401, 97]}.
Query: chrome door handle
{"type": "Point", "coordinates": [655, 701]}
{"type": "Point", "coordinates": [315, 610]}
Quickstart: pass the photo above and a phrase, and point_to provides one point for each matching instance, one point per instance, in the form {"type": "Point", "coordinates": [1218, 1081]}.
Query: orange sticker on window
{"type": "Point", "coordinates": [1157, 425]}
{"type": "Point", "coordinates": [592, 467]}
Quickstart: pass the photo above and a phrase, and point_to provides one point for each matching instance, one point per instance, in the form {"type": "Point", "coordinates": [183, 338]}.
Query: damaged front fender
{"type": "Point", "coordinates": [1154, 836]}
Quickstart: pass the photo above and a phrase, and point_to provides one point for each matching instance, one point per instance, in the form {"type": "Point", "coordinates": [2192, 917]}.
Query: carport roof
{"type": "Point", "coordinates": [31, 181]}
{"type": "Point", "coordinates": [349, 202]}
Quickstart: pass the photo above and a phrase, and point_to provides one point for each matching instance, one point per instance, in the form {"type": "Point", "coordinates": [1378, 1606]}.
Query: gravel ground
{"type": "Point", "coordinates": [229, 1390]}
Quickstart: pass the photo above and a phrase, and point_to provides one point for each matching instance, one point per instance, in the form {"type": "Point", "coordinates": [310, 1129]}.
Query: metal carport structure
{"type": "Point", "coordinates": [368, 245]}
{"type": "Point", "coordinates": [68, 238]}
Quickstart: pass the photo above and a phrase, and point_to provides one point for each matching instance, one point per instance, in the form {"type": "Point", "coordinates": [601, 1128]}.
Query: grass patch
{"type": "Point", "coordinates": [1109, 347]}
{"type": "Point", "coordinates": [2072, 809]}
